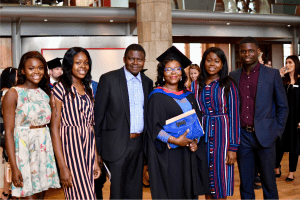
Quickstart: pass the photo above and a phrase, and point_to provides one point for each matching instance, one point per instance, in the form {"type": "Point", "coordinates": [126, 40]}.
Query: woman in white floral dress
{"type": "Point", "coordinates": [26, 113]}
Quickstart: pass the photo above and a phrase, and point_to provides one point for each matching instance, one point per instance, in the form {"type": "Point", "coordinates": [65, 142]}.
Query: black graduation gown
{"type": "Point", "coordinates": [291, 136]}
{"type": "Point", "coordinates": [174, 173]}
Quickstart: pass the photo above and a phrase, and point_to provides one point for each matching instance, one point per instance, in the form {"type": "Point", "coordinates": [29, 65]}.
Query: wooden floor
{"type": "Point", "coordinates": [287, 190]}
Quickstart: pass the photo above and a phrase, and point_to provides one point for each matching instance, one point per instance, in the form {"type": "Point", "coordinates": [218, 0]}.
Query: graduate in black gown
{"type": "Point", "coordinates": [182, 172]}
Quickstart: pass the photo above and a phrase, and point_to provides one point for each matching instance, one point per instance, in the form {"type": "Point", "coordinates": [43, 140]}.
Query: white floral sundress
{"type": "Point", "coordinates": [33, 147]}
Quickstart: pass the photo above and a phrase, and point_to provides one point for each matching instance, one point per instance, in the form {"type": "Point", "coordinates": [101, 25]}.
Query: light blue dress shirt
{"type": "Point", "coordinates": [136, 101]}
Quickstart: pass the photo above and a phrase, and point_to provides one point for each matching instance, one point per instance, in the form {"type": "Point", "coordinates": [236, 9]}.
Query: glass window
{"type": "Point", "coordinates": [180, 47]}
{"type": "Point", "coordinates": [286, 51]}
{"type": "Point", "coordinates": [195, 53]}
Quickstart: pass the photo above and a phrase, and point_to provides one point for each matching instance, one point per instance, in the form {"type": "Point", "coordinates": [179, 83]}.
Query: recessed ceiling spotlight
{"type": "Point", "coordinates": [228, 24]}
{"type": "Point", "coordinates": [45, 20]}
{"type": "Point", "coordinates": [288, 25]}
{"type": "Point", "coordinates": [111, 20]}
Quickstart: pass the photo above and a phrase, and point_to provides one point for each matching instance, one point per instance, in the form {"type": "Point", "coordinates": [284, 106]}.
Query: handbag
{"type": "Point", "coordinates": [8, 173]}
{"type": "Point", "coordinates": [177, 126]}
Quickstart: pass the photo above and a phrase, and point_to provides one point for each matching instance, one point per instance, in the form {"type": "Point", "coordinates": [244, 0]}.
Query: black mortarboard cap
{"type": "Point", "coordinates": [54, 63]}
{"type": "Point", "coordinates": [173, 53]}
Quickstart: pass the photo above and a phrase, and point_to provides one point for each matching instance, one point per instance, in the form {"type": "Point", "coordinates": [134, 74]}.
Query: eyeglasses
{"type": "Point", "coordinates": [169, 70]}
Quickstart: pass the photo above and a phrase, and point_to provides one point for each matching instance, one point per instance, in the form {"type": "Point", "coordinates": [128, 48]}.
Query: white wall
{"type": "Point", "coordinates": [106, 52]}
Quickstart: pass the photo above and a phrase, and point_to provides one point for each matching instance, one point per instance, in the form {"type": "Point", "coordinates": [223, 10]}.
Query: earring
{"type": "Point", "coordinates": [181, 79]}
{"type": "Point", "coordinates": [163, 78]}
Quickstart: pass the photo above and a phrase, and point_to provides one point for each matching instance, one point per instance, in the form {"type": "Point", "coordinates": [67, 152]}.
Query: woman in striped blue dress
{"type": "Point", "coordinates": [218, 101]}
{"type": "Point", "coordinates": [72, 126]}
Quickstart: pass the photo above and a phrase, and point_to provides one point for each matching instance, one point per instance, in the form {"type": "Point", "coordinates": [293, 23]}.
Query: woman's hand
{"type": "Point", "coordinates": [97, 170]}
{"type": "Point", "coordinates": [283, 71]}
{"type": "Point", "coordinates": [230, 158]}
{"type": "Point", "coordinates": [66, 177]}
{"type": "Point", "coordinates": [194, 145]}
{"type": "Point", "coordinates": [98, 163]}
{"type": "Point", "coordinates": [182, 140]}
{"type": "Point", "coordinates": [17, 178]}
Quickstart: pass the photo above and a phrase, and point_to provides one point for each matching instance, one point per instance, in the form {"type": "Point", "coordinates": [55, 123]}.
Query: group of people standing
{"type": "Point", "coordinates": [34, 154]}
{"type": "Point", "coordinates": [242, 115]}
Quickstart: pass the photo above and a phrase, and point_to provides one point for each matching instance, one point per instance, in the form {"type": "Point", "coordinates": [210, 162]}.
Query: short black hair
{"type": "Point", "coordinates": [249, 40]}
{"type": "Point", "coordinates": [134, 47]}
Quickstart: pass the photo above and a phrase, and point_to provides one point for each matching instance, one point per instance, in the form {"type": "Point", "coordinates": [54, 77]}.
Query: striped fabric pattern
{"type": "Point", "coordinates": [78, 142]}
{"type": "Point", "coordinates": [221, 124]}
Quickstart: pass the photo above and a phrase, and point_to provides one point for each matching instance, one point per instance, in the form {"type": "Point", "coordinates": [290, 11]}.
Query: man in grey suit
{"type": "Point", "coordinates": [120, 100]}
{"type": "Point", "coordinates": [263, 115]}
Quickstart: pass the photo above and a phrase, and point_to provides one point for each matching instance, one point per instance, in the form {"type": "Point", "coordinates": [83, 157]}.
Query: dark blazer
{"type": "Point", "coordinates": [112, 115]}
{"type": "Point", "coordinates": [271, 106]}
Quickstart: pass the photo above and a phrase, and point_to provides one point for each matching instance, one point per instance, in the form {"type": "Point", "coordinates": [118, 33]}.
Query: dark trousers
{"type": "Point", "coordinates": [256, 165]}
{"type": "Point", "coordinates": [99, 183]}
{"type": "Point", "coordinates": [127, 172]}
{"type": "Point", "coordinates": [248, 148]}
{"type": "Point", "coordinates": [293, 158]}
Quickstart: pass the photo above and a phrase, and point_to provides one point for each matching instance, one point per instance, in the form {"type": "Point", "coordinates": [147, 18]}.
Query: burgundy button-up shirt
{"type": "Point", "coordinates": [247, 89]}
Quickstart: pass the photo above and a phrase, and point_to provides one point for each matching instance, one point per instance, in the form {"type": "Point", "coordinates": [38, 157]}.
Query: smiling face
{"type": "Point", "coordinates": [194, 73]}
{"type": "Point", "coordinates": [249, 54]}
{"type": "Point", "coordinates": [213, 65]}
{"type": "Point", "coordinates": [80, 65]}
{"type": "Point", "coordinates": [290, 65]}
{"type": "Point", "coordinates": [33, 70]}
{"type": "Point", "coordinates": [134, 62]}
{"type": "Point", "coordinates": [173, 77]}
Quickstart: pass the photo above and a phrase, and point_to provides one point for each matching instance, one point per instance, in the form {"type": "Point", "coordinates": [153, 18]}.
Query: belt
{"type": "Point", "coordinates": [32, 127]}
{"type": "Point", "coordinates": [249, 128]}
{"type": "Point", "coordinates": [134, 135]}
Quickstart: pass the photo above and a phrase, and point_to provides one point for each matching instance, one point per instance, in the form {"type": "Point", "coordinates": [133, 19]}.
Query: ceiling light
{"type": "Point", "coordinates": [288, 25]}
{"type": "Point", "coordinates": [111, 20]}
{"type": "Point", "coordinates": [45, 20]}
{"type": "Point", "coordinates": [228, 24]}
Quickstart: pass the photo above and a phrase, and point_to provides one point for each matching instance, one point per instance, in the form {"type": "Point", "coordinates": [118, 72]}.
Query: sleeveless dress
{"type": "Point", "coordinates": [33, 147]}
{"type": "Point", "coordinates": [78, 141]}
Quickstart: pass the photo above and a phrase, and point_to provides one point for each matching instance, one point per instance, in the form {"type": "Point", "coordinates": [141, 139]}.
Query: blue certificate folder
{"type": "Point", "coordinates": [176, 126]}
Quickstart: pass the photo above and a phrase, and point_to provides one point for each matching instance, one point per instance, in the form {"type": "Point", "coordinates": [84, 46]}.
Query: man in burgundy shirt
{"type": "Point", "coordinates": [263, 114]}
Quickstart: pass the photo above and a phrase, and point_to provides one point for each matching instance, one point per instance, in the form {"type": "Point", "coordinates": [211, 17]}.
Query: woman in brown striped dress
{"type": "Point", "coordinates": [72, 126]}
